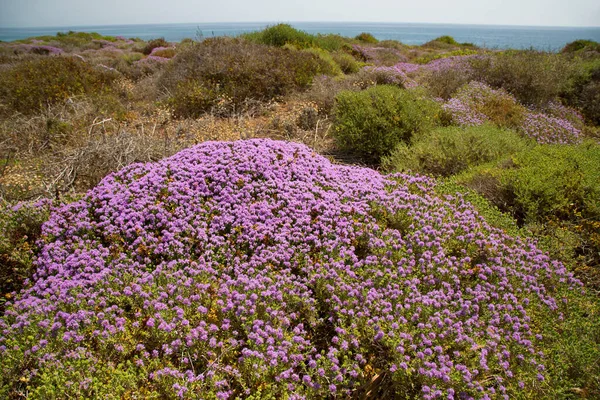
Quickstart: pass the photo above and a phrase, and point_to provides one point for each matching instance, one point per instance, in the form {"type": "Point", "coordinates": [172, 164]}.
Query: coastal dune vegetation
{"type": "Point", "coordinates": [288, 215]}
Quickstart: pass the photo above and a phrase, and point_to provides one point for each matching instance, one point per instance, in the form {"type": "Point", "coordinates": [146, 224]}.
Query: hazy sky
{"type": "Point", "coordinates": [31, 13]}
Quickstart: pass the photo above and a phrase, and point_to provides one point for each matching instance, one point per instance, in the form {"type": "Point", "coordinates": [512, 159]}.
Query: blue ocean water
{"type": "Point", "coordinates": [517, 37]}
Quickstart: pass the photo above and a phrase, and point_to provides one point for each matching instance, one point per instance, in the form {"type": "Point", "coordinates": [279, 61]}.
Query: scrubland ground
{"type": "Point", "coordinates": [516, 133]}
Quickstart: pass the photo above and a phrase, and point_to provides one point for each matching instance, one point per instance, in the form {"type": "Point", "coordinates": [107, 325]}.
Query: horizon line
{"type": "Point", "coordinates": [293, 22]}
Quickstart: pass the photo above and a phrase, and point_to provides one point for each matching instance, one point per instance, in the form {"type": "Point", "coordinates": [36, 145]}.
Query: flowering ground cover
{"type": "Point", "coordinates": [258, 269]}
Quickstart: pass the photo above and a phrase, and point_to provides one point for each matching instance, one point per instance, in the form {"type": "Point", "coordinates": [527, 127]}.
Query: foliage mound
{"type": "Point", "coordinates": [448, 151]}
{"type": "Point", "coordinates": [581, 46]}
{"type": "Point", "coordinates": [533, 77]}
{"type": "Point", "coordinates": [547, 129]}
{"type": "Point", "coordinates": [31, 85]}
{"type": "Point", "coordinates": [231, 72]}
{"type": "Point", "coordinates": [281, 34]}
{"type": "Point", "coordinates": [366, 37]}
{"type": "Point", "coordinates": [476, 103]}
{"type": "Point", "coordinates": [372, 122]}
{"type": "Point", "coordinates": [154, 44]}
{"type": "Point", "coordinates": [554, 186]}
{"type": "Point", "coordinates": [583, 90]}
{"type": "Point", "coordinates": [20, 228]}
{"type": "Point", "coordinates": [258, 268]}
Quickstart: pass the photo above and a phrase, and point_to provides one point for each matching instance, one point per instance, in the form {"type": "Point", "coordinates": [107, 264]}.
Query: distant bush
{"type": "Point", "coordinates": [442, 42]}
{"type": "Point", "coordinates": [31, 85]}
{"type": "Point", "coordinates": [583, 90]}
{"type": "Point", "coordinates": [444, 76]}
{"type": "Point", "coordinates": [533, 77]}
{"type": "Point", "coordinates": [165, 52]}
{"type": "Point", "coordinates": [328, 64]}
{"type": "Point", "coordinates": [347, 63]}
{"type": "Point", "coordinates": [392, 44]}
{"type": "Point", "coordinates": [448, 151]}
{"type": "Point", "coordinates": [581, 45]}
{"type": "Point", "coordinates": [233, 71]}
{"type": "Point", "coordinates": [332, 42]}
{"type": "Point", "coordinates": [154, 43]}
{"type": "Point", "coordinates": [477, 103]}
{"type": "Point", "coordinates": [446, 39]}
{"type": "Point", "coordinates": [72, 41]}
{"type": "Point", "coordinates": [372, 122]}
{"type": "Point", "coordinates": [281, 34]}
{"type": "Point", "coordinates": [366, 37]}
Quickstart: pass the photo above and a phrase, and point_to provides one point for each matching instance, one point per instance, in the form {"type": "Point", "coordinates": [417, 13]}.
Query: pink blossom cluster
{"type": "Point", "coordinates": [409, 74]}
{"type": "Point", "coordinates": [550, 130]}
{"type": "Point", "coordinates": [40, 49]}
{"type": "Point", "coordinates": [152, 59]}
{"type": "Point", "coordinates": [249, 267]}
{"type": "Point", "coordinates": [466, 107]}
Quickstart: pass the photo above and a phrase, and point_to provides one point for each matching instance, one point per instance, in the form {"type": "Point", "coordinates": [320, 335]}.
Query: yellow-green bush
{"type": "Point", "coordinates": [328, 65]}
{"type": "Point", "coordinates": [448, 151]}
{"type": "Point", "coordinates": [281, 34]}
{"type": "Point", "coordinates": [32, 85]}
{"type": "Point", "coordinates": [553, 190]}
{"type": "Point", "coordinates": [372, 122]}
{"type": "Point", "coordinates": [366, 37]}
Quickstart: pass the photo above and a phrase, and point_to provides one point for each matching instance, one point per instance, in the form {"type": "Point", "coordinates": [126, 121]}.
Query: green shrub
{"type": "Point", "coordinates": [332, 42]}
{"type": "Point", "coordinates": [235, 71]}
{"type": "Point", "coordinates": [154, 43]}
{"type": "Point", "coordinates": [165, 53]}
{"type": "Point", "coordinates": [583, 90]}
{"type": "Point", "coordinates": [31, 85]}
{"type": "Point", "coordinates": [551, 180]}
{"type": "Point", "coordinates": [392, 44]}
{"type": "Point", "coordinates": [347, 63]}
{"type": "Point", "coordinates": [366, 37]}
{"type": "Point", "coordinates": [372, 122]}
{"type": "Point", "coordinates": [448, 151]}
{"type": "Point", "coordinates": [20, 228]}
{"type": "Point", "coordinates": [581, 45]}
{"type": "Point", "coordinates": [281, 34]}
{"type": "Point", "coordinates": [572, 348]}
{"type": "Point", "coordinates": [533, 77]}
{"type": "Point", "coordinates": [447, 39]}
{"type": "Point", "coordinates": [553, 190]}
{"type": "Point", "coordinates": [328, 64]}
{"type": "Point", "coordinates": [442, 42]}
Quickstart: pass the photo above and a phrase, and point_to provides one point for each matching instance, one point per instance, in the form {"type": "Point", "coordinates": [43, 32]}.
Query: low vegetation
{"type": "Point", "coordinates": [147, 252]}
{"type": "Point", "coordinates": [373, 121]}
{"type": "Point", "coordinates": [227, 73]}
{"type": "Point", "coordinates": [451, 150]}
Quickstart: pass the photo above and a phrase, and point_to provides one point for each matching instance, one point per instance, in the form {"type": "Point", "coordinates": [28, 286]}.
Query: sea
{"type": "Point", "coordinates": [490, 36]}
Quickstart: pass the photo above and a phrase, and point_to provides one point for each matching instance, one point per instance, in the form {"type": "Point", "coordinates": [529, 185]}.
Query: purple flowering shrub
{"type": "Point", "coordinates": [476, 103]}
{"type": "Point", "coordinates": [258, 267]}
{"type": "Point", "coordinates": [39, 49]}
{"type": "Point", "coordinates": [550, 130]}
{"type": "Point", "coordinates": [410, 75]}
{"type": "Point", "coordinates": [154, 43]}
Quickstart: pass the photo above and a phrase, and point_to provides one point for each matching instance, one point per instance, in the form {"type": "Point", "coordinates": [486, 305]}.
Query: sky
{"type": "Point", "coordinates": [51, 13]}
